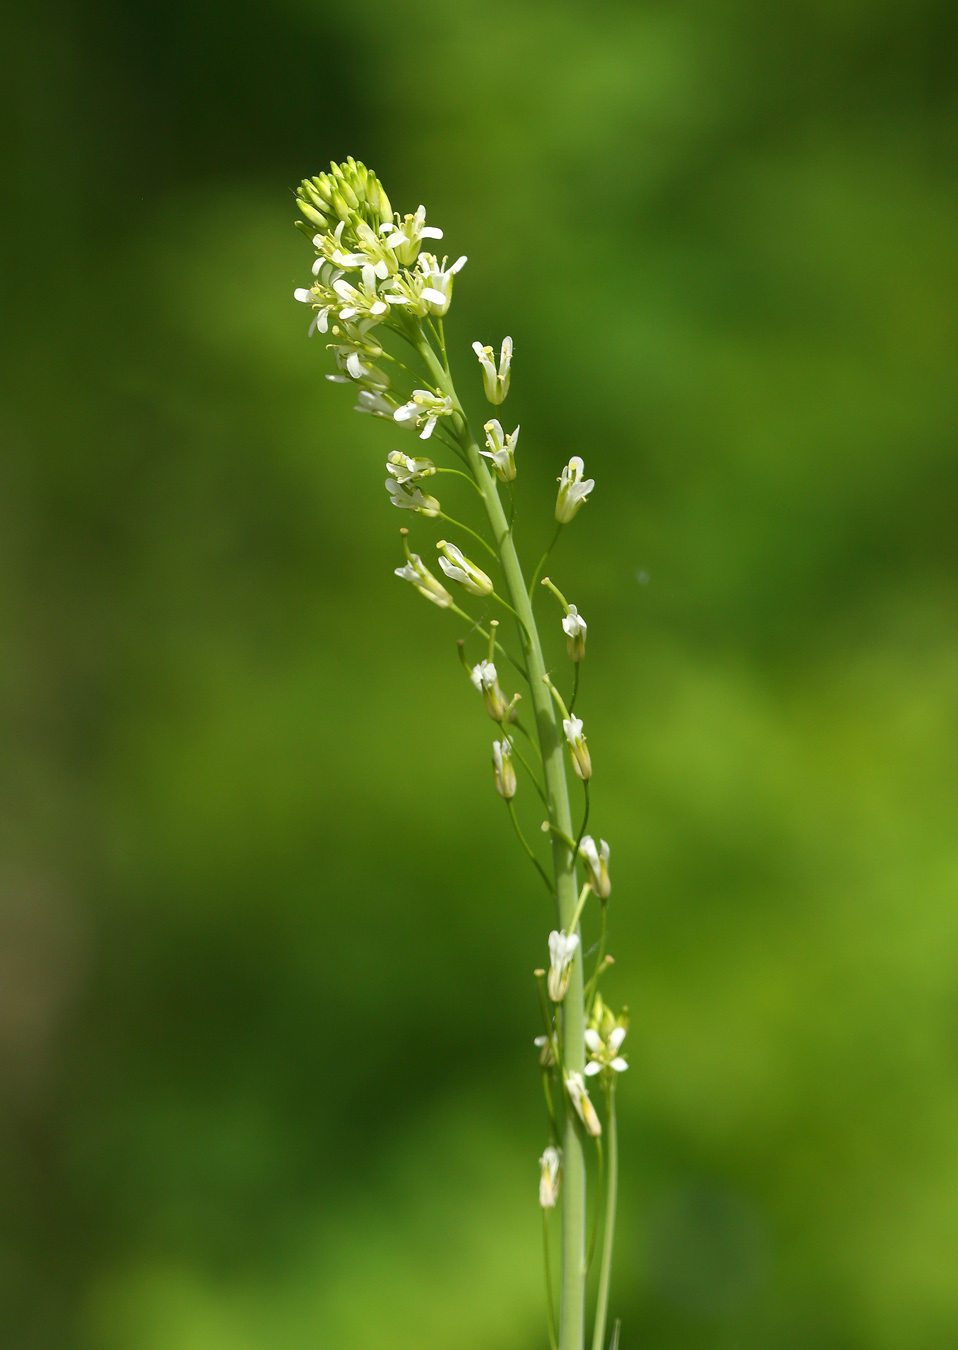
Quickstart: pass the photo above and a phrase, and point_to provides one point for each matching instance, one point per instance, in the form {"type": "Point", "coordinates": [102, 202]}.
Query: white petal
{"type": "Point", "coordinates": [616, 1038]}
{"type": "Point", "coordinates": [620, 1065]}
{"type": "Point", "coordinates": [378, 308]}
{"type": "Point", "coordinates": [593, 1040]}
{"type": "Point", "coordinates": [302, 295]}
{"type": "Point", "coordinates": [430, 232]}
{"type": "Point", "coordinates": [591, 1069]}
{"type": "Point", "coordinates": [434, 297]}
{"type": "Point", "coordinates": [459, 263]}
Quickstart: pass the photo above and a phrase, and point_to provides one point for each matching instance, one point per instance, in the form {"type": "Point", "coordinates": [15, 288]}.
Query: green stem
{"type": "Point", "coordinates": [572, 1302]}
{"type": "Point", "coordinates": [542, 561]}
{"type": "Point", "coordinates": [535, 861]}
{"type": "Point", "coordinates": [459, 474]}
{"type": "Point", "coordinates": [549, 1295]}
{"type": "Point", "coordinates": [468, 529]}
{"type": "Point", "coordinates": [605, 1270]}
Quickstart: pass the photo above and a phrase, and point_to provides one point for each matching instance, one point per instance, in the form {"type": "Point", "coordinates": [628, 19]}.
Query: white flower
{"type": "Point", "coordinates": [411, 498]}
{"type": "Point", "coordinates": [406, 239]}
{"type": "Point", "coordinates": [496, 382]}
{"type": "Point", "coordinates": [501, 450]}
{"type": "Point", "coordinates": [605, 1054]}
{"type": "Point", "coordinates": [597, 865]}
{"type": "Point", "coordinates": [581, 760]}
{"type": "Point", "coordinates": [363, 299]}
{"type": "Point", "coordinates": [579, 1096]}
{"type": "Point", "coordinates": [437, 278]}
{"type": "Point", "coordinates": [425, 583]}
{"type": "Point", "coordinates": [375, 403]}
{"type": "Point", "coordinates": [332, 247]}
{"type": "Point", "coordinates": [321, 296]}
{"type": "Point", "coordinates": [406, 468]}
{"type": "Point", "coordinates": [574, 627]}
{"type": "Point", "coordinates": [546, 1050]}
{"type": "Point", "coordinates": [551, 1164]}
{"type": "Point", "coordinates": [424, 409]}
{"type": "Point", "coordinates": [459, 568]}
{"type": "Point", "coordinates": [485, 678]}
{"type": "Point", "coordinates": [573, 490]}
{"type": "Point", "coordinates": [502, 768]}
{"type": "Point", "coordinates": [562, 950]}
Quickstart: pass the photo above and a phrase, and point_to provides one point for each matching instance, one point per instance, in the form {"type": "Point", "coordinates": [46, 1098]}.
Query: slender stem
{"type": "Point", "coordinates": [543, 560]}
{"type": "Point", "coordinates": [469, 530]}
{"type": "Point", "coordinates": [459, 474]}
{"type": "Point", "coordinates": [572, 1302]}
{"type": "Point", "coordinates": [521, 758]}
{"type": "Point", "coordinates": [549, 1295]}
{"type": "Point", "coordinates": [585, 818]}
{"type": "Point", "coordinates": [536, 863]}
{"type": "Point", "coordinates": [575, 689]}
{"type": "Point", "coordinates": [605, 1270]}
{"type": "Point", "coordinates": [598, 1204]}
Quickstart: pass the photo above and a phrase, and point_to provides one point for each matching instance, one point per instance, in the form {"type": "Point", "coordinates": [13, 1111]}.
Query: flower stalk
{"type": "Point", "coordinates": [370, 270]}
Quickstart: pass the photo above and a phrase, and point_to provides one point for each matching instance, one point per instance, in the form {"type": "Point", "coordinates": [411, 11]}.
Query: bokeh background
{"type": "Point", "coordinates": [265, 938]}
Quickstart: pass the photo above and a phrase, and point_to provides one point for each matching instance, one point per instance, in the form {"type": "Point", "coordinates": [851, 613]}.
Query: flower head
{"type": "Point", "coordinates": [364, 300]}
{"type": "Point", "coordinates": [574, 627]}
{"type": "Point", "coordinates": [405, 468]}
{"type": "Point", "coordinates": [573, 490]}
{"type": "Point", "coordinates": [581, 760]}
{"type": "Point", "coordinates": [437, 279]}
{"type": "Point", "coordinates": [562, 950]}
{"type": "Point", "coordinates": [501, 450]}
{"type": "Point", "coordinates": [502, 768]}
{"type": "Point", "coordinates": [376, 403]}
{"type": "Point", "coordinates": [597, 865]}
{"type": "Point", "coordinates": [425, 583]}
{"type": "Point", "coordinates": [406, 239]}
{"type": "Point", "coordinates": [457, 567]}
{"type": "Point", "coordinates": [579, 1097]}
{"type": "Point", "coordinates": [604, 1036]}
{"type": "Point", "coordinates": [424, 409]}
{"type": "Point", "coordinates": [485, 678]}
{"type": "Point", "coordinates": [349, 192]}
{"type": "Point", "coordinates": [546, 1048]}
{"type": "Point", "coordinates": [412, 498]}
{"type": "Point", "coordinates": [496, 382]}
{"type": "Point", "coordinates": [551, 1165]}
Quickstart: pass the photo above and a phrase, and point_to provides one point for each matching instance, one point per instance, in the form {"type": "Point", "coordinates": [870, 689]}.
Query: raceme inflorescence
{"type": "Point", "coordinates": [373, 279]}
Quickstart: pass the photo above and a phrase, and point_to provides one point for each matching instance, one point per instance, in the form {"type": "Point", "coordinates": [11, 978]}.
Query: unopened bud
{"type": "Point", "coordinates": [502, 768]}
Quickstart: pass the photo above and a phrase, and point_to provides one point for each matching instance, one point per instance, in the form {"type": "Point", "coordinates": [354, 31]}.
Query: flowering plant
{"type": "Point", "coordinates": [369, 275]}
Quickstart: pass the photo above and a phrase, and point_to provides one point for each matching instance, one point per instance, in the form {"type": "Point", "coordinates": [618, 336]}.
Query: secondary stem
{"type": "Point", "coordinates": [605, 1271]}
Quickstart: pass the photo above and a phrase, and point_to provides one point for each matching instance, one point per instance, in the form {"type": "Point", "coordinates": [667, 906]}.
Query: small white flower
{"type": "Point", "coordinates": [581, 760]}
{"type": "Point", "coordinates": [362, 300]}
{"type": "Point", "coordinates": [496, 382]}
{"type": "Point", "coordinates": [551, 1164]}
{"type": "Point", "coordinates": [411, 498]}
{"type": "Point", "coordinates": [485, 678]}
{"type": "Point", "coordinates": [502, 768]}
{"type": "Point", "coordinates": [562, 950]}
{"type": "Point", "coordinates": [573, 490]}
{"type": "Point", "coordinates": [406, 239]}
{"type": "Point", "coordinates": [579, 1096]}
{"type": "Point", "coordinates": [597, 865]}
{"type": "Point", "coordinates": [605, 1054]}
{"type": "Point", "coordinates": [546, 1050]}
{"type": "Point", "coordinates": [437, 279]}
{"type": "Point", "coordinates": [406, 468]}
{"type": "Point", "coordinates": [458, 568]}
{"type": "Point", "coordinates": [502, 449]}
{"type": "Point", "coordinates": [424, 409]}
{"type": "Point", "coordinates": [425, 583]}
{"type": "Point", "coordinates": [376, 404]}
{"type": "Point", "coordinates": [574, 627]}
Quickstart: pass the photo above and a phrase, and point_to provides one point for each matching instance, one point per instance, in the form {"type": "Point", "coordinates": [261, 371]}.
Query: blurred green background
{"type": "Point", "coordinates": [265, 938]}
